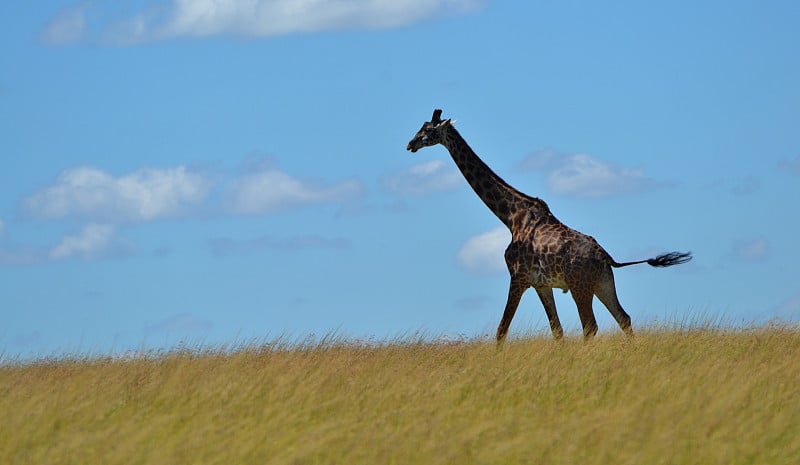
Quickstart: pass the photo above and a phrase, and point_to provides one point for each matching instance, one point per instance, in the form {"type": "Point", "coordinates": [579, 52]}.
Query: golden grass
{"type": "Point", "coordinates": [667, 396]}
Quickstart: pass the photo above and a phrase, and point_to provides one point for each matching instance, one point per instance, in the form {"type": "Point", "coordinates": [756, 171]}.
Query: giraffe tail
{"type": "Point", "coordinates": [661, 261]}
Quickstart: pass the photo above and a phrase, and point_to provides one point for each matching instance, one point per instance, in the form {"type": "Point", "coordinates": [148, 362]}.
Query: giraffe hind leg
{"type": "Point", "coordinates": [583, 300]}
{"type": "Point", "coordinates": [607, 293]}
{"type": "Point", "coordinates": [549, 304]}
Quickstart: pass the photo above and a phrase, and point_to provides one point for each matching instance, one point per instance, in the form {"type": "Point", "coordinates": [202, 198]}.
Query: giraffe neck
{"type": "Point", "coordinates": [502, 199]}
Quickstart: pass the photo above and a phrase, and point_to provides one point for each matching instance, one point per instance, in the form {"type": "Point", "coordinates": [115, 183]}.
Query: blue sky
{"type": "Point", "coordinates": [222, 171]}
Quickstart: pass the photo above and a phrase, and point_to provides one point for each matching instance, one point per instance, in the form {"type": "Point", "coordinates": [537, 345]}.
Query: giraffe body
{"type": "Point", "coordinates": [544, 253]}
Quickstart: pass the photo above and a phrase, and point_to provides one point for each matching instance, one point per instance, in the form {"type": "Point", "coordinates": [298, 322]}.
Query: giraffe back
{"type": "Point", "coordinates": [546, 253]}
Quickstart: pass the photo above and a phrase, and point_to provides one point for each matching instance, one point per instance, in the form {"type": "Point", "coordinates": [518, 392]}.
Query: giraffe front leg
{"type": "Point", "coordinates": [515, 291]}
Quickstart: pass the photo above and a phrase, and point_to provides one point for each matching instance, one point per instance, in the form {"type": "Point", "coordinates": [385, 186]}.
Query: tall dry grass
{"type": "Point", "coordinates": [667, 396]}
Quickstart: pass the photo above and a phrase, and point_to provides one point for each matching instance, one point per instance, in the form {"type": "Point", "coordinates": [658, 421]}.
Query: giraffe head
{"type": "Point", "coordinates": [430, 133]}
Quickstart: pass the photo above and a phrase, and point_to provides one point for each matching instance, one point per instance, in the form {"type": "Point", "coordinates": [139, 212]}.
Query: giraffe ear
{"type": "Point", "coordinates": [437, 116]}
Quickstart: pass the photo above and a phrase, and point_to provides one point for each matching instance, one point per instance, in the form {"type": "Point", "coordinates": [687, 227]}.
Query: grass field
{"type": "Point", "coordinates": [667, 396]}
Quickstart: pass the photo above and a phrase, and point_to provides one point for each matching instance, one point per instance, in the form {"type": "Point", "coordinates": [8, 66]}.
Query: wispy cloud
{"type": "Point", "coordinates": [790, 166]}
{"type": "Point", "coordinates": [581, 175]}
{"type": "Point", "coordinates": [485, 253]}
{"type": "Point", "coordinates": [250, 18]}
{"type": "Point", "coordinates": [93, 241]}
{"type": "Point", "coordinates": [270, 190]}
{"type": "Point", "coordinates": [224, 246]}
{"type": "Point", "coordinates": [424, 178]}
{"type": "Point", "coordinates": [752, 250]}
{"type": "Point", "coordinates": [742, 186]}
{"type": "Point", "coordinates": [154, 194]}
{"type": "Point", "coordinates": [144, 195]}
{"type": "Point", "coordinates": [68, 26]}
{"type": "Point", "coordinates": [105, 202]}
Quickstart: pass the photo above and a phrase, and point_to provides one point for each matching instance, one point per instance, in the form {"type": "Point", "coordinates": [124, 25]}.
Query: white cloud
{"type": "Point", "coordinates": [754, 250]}
{"type": "Point", "coordinates": [105, 201]}
{"type": "Point", "coordinates": [580, 175]}
{"type": "Point", "coordinates": [261, 18]}
{"type": "Point", "coordinates": [153, 194]}
{"type": "Point", "coordinates": [583, 176]}
{"type": "Point", "coordinates": [67, 27]}
{"type": "Point", "coordinates": [276, 17]}
{"type": "Point", "coordinates": [485, 253]}
{"type": "Point", "coordinates": [92, 241]}
{"type": "Point", "coordinates": [272, 190]}
{"type": "Point", "coordinates": [144, 195]}
{"type": "Point", "coordinates": [424, 178]}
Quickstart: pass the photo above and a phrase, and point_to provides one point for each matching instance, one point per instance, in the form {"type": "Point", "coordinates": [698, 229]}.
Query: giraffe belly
{"type": "Point", "coordinates": [541, 277]}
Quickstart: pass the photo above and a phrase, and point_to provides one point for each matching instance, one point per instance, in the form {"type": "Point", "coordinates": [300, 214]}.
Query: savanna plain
{"type": "Point", "coordinates": [672, 395]}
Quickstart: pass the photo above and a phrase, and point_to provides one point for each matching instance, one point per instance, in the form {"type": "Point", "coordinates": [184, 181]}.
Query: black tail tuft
{"type": "Point", "coordinates": [669, 259]}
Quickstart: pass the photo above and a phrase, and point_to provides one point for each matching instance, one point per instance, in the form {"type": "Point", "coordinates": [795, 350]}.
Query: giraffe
{"type": "Point", "coordinates": [544, 253]}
